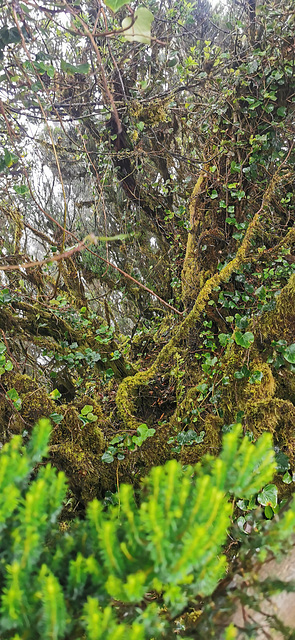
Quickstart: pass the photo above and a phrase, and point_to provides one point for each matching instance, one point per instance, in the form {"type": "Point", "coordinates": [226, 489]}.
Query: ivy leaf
{"type": "Point", "coordinates": [190, 437]}
{"type": "Point", "coordinates": [115, 5]}
{"type": "Point", "coordinates": [12, 394]}
{"type": "Point", "coordinates": [117, 439]}
{"type": "Point", "coordinates": [268, 496]}
{"type": "Point", "coordinates": [5, 297]}
{"type": "Point", "coordinates": [244, 339]}
{"type": "Point", "coordinates": [287, 478]}
{"type": "Point", "coordinates": [224, 338]}
{"type": "Point", "coordinates": [282, 461]}
{"type": "Point", "coordinates": [107, 457]}
{"type": "Point", "coordinates": [235, 167]}
{"type": "Point", "coordinates": [21, 189]}
{"type": "Point", "coordinates": [71, 69]}
{"type": "Point", "coordinates": [9, 36]}
{"type": "Point", "coordinates": [140, 31]}
{"type": "Point", "coordinates": [268, 512]}
{"type": "Point", "coordinates": [289, 353]}
{"type": "Point", "coordinates": [242, 373]}
{"type": "Point", "coordinates": [143, 433]}
{"type": "Point", "coordinates": [14, 397]}
{"type": "Point", "coordinates": [256, 377]}
{"type": "Point", "coordinates": [55, 394]}
{"type": "Point", "coordinates": [2, 347]}
{"type": "Point", "coordinates": [56, 417]}
{"type": "Point", "coordinates": [9, 158]}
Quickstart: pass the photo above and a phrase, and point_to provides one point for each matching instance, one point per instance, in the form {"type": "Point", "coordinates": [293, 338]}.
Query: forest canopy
{"type": "Point", "coordinates": [147, 287]}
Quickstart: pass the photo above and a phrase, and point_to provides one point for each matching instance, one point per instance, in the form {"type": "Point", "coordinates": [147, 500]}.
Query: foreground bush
{"type": "Point", "coordinates": [129, 571]}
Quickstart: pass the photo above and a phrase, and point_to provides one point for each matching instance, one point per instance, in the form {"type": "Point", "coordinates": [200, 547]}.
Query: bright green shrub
{"type": "Point", "coordinates": [90, 582]}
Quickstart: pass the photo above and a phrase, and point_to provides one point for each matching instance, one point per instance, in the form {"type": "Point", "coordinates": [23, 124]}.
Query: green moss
{"type": "Point", "coordinates": [239, 392]}
{"type": "Point", "coordinates": [21, 382]}
{"type": "Point", "coordinates": [156, 450]}
{"type": "Point", "coordinates": [126, 394]}
{"type": "Point", "coordinates": [285, 382]}
{"type": "Point", "coordinates": [279, 324]}
{"type": "Point", "coordinates": [77, 450]}
{"type": "Point", "coordinates": [211, 443]}
{"type": "Point", "coordinates": [36, 404]}
{"type": "Point", "coordinates": [278, 417]}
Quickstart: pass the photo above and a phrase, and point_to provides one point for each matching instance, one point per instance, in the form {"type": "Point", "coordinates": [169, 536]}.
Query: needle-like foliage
{"type": "Point", "coordinates": [96, 579]}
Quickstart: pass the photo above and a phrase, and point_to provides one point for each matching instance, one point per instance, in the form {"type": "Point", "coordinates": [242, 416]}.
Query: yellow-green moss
{"type": "Point", "coordinates": [279, 324]}
{"type": "Point", "coordinates": [239, 392]}
{"type": "Point", "coordinates": [285, 382]}
{"type": "Point", "coordinates": [152, 114]}
{"type": "Point", "coordinates": [278, 417]}
{"type": "Point", "coordinates": [21, 382]}
{"type": "Point", "coordinates": [35, 405]}
{"type": "Point", "coordinates": [211, 443]}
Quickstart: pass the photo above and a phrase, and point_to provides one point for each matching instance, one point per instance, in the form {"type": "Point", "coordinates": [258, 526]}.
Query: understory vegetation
{"type": "Point", "coordinates": [147, 316]}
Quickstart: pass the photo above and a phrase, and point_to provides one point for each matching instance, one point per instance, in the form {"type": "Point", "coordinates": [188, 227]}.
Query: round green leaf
{"type": "Point", "coordinates": [86, 409]}
{"type": "Point", "coordinates": [289, 353]}
{"type": "Point", "coordinates": [224, 338]}
{"type": "Point", "coordinates": [91, 417]}
{"type": "Point", "coordinates": [115, 5]}
{"type": "Point", "coordinates": [107, 457]}
{"type": "Point", "coordinates": [55, 394]}
{"type": "Point", "coordinates": [268, 512]}
{"type": "Point", "coordinates": [56, 417]}
{"type": "Point", "coordinates": [244, 339]}
{"type": "Point", "coordinates": [256, 377]}
{"type": "Point", "coordinates": [140, 31]}
{"type": "Point", "coordinates": [287, 478]}
{"type": "Point", "coordinates": [71, 69]}
{"type": "Point", "coordinates": [268, 496]}
{"type": "Point", "coordinates": [2, 347]}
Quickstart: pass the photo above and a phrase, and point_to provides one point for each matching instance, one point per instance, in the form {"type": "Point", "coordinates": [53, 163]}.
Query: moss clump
{"type": "Point", "coordinates": [36, 404]}
{"type": "Point", "coordinates": [80, 468]}
{"type": "Point", "coordinates": [153, 114]}
{"type": "Point", "coordinates": [278, 417]}
{"type": "Point", "coordinates": [127, 392]}
{"type": "Point", "coordinates": [21, 382]}
{"type": "Point", "coordinates": [77, 450]}
{"type": "Point", "coordinates": [211, 444]}
{"type": "Point", "coordinates": [155, 450]}
{"type": "Point", "coordinates": [263, 389]}
{"type": "Point", "coordinates": [241, 391]}
{"type": "Point", "coordinates": [279, 324]}
{"type": "Point", "coordinates": [88, 437]}
{"type": "Point", "coordinates": [285, 385]}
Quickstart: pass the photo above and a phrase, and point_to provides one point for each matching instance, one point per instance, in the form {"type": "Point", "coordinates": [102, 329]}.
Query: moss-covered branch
{"type": "Point", "coordinates": [127, 389]}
